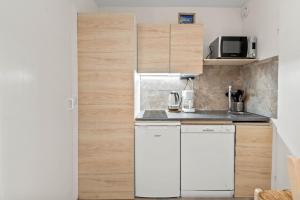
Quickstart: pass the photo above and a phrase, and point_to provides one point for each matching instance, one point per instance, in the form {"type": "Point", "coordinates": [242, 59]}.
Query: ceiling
{"type": "Point", "coordinates": [171, 3]}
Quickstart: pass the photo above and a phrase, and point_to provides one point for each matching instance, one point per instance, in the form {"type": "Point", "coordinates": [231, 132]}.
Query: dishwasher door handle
{"type": "Point", "coordinates": [209, 130]}
{"type": "Point", "coordinates": [158, 128]}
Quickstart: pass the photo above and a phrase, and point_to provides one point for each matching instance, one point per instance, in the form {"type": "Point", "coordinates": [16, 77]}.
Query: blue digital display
{"type": "Point", "coordinates": [186, 19]}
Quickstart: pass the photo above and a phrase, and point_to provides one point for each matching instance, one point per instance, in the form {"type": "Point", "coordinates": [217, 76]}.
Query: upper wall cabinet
{"type": "Point", "coordinates": [153, 48]}
{"type": "Point", "coordinates": [186, 48]}
{"type": "Point", "coordinates": [170, 48]}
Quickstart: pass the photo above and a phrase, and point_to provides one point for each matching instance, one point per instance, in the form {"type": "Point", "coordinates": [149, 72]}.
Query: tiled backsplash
{"type": "Point", "coordinates": [209, 88]}
{"type": "Point", "coordinates": [259, 80]}
{"type": "Point", "coordinates": [155, 90]}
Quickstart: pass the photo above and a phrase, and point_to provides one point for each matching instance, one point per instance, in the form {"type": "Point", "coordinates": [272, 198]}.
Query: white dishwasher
{"type": "Point", "coordinates": [207, 160]}
{"type": "Point", "coordinates": [157, 159]}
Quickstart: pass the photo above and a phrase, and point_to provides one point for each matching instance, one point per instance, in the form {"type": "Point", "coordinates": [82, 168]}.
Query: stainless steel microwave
{"type": "Point", "coordinates": [233, 47]}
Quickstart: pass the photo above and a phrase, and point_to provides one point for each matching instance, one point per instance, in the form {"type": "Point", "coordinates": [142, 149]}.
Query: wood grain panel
{"type": "Point", "coordinates": [294, 176]}
{"type": "Point", "coordinates": [102, 151]}
{"type": "Point", "coordinates": [96, 88]}
{"type": "Point", "coordinates": [114, 33]}
{"type": "Point", "coordinates": [102, 114]}
{"type": "Point", "coordinates": [106, 61]}
{"type": "Point", "coordinates": [106, 80]}
{"type": "Point", "coordinates": [106, 41]}
{"type": "Point", "coordinates": [98, 22]}
{"type": "Point", "coordinates": [228, 62]}
{"type": "Point", "coordinates": [186, 59]}
{"type": "Point", "coordinates": [105, 186]}
{"type": "Point", "coordinates": [186, 34]}
{"type": "Point", "coordinates": [105, 97]}
{"type": "Point", "coordinates": [186, 48]}
{"type": "Point", "coordinates": [153, 48]}
{"type": "Point", "coordinates": [253, 164]}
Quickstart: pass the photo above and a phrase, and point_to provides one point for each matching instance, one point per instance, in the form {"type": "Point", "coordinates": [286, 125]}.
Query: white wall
{"type": "Point", "coordinates": [263, 21]}
{"type": "Point", "coordinates": [36, 63]}
{"type": "Point", "coordinates": [289, 74]}
{"type": "Point", "coordinates": [216, 21]}
{"type": "Point", "coordinates": [279, 168]}
{"type": "Point", "coordinates": [86, 5]}
{"type": "Point", "coordinates": [37, 68]}
{"type": "Point", "coordinates": [288, 136]}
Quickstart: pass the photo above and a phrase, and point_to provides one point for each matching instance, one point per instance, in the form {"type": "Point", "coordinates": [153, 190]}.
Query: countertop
{"type": "Point", "coordinates": [201, 115]}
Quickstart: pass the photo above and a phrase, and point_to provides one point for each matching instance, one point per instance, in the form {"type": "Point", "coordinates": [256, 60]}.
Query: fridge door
{"type": "Point", "coordinates": [157, 161]}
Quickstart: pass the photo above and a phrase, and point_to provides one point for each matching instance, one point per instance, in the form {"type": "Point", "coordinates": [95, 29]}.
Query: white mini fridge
{"type": "Point", "coordinates": [157, 160]}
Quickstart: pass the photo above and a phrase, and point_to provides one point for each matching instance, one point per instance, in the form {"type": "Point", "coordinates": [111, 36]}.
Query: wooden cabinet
{"type": "Point", "coordinates": [153, 48]}
{"type": "Point", "coordinates": [170, 48]}
{"type": "Point", "coordinates": [253, 162]}
{"type": "Point", "coordinates": [106, 61]}
{"type": "Point", "coordinates": [186, 48]}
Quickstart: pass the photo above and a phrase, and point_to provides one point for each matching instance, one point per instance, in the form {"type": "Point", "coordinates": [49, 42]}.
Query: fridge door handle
{"type": "Point", "coordinates": [157, 135]}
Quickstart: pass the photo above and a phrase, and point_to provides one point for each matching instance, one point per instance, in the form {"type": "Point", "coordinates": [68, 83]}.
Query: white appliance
{"type": "Point", "coordinates": [188, 101]}
{"type": "Point", "coordinates": [207, 160]}
{"type": "Point", "coordinates": [174, 101]}
{"type": "Point", "coordinates": [233, 47]}
{"type": "Point", "coordinates": [157, 159]}
{"type": "Point", "coordinates": [252, 43]}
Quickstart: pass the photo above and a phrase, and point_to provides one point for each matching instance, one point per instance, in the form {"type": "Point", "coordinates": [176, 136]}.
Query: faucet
{"type": "Point", "coordinates": [229, 98]}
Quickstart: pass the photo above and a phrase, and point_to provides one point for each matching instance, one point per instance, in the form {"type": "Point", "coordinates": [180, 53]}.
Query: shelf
{"type": "Point", "coordinates": [232, 62]}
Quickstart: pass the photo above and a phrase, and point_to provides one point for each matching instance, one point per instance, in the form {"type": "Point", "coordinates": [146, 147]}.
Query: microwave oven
{"type": "Point", "coordinates": [233, 47]}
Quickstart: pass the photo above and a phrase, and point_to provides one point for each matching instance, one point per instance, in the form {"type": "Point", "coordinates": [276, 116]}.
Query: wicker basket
{"type": "Point", "coordinates": [294, 178]}
{"type": "Point", "coordinates": [272, 195]}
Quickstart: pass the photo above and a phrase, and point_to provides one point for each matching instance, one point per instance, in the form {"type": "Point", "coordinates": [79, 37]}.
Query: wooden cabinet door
{"type": "Point", "coordinates": [153, 48]}
{"type": "Point", "coordinates": [106, 61]}
{"type": "Point", "coordinates": [253, 162]}
{"type": "Point", "coordinates": [186, 48]}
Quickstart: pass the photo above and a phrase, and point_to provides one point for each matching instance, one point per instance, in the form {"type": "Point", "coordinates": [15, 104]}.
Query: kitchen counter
{"type": "Point", "coordinates": [200, 115]}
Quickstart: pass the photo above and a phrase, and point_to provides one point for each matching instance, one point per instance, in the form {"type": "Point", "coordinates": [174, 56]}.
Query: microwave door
{"type": "Point", "coordinates": [234, 47]}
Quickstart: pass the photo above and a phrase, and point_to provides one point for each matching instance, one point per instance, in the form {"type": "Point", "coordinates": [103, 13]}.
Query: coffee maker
{"type": "Point", "coordinates": [187, 104]}
{"type": "Point", "coordinates": [188, 101]}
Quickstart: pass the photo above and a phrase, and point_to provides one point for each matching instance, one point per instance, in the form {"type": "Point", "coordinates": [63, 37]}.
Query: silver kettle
{"type": "Point", "coordinates": [174, 101]}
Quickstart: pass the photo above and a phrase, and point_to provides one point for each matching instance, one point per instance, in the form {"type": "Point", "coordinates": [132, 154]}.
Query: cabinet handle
{"type": "Point", "coordinates": [157, 135]}
{"type": "Point", "coordinates": [208, 130]}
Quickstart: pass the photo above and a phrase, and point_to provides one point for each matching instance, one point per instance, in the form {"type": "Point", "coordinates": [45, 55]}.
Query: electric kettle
{"type": "Point", "coordinates": [174, 101]}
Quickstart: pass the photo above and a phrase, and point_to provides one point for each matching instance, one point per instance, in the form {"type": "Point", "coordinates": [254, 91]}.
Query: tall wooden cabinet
{"type": "Point", "coordinates": [106, 61]}
{"type": "Point", "coordinates": [175, 48]}
{"type": "Point", "coordinates": [253, 161]}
